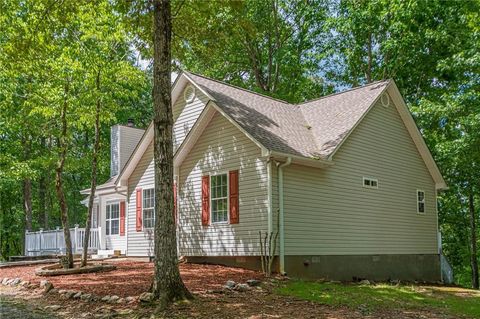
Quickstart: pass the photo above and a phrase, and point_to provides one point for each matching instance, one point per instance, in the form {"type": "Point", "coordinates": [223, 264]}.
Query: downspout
{"type": "Point", "coordinates": [281, 214]}
{"type": "Point", "coordinates": [269, 196]}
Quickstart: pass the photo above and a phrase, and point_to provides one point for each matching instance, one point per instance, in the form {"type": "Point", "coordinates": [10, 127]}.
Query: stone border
{"type": "Point", "coordinates": [55, 270]}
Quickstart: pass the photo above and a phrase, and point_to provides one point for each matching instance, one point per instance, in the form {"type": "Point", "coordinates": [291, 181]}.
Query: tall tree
{"type": "Point", "coordinates": [167, 283]}
{"type": "Point", "coordinates": [93, 185]}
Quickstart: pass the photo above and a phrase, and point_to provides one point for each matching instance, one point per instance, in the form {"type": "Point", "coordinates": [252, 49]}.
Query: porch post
{"type": "Point", "coordinates": [26, 243]}
{"type": "Point", "coordinates": [41, 237]}
{"type": "Point", "coordinates": [57, 247]}
{"type": "Point", "coordinates": [76, 238]}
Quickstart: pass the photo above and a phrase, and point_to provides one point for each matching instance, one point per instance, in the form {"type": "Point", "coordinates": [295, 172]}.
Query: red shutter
{"type": "Point", "coordinates": [122, 218]}
{"type": "Point", "coordinates": [205, 200]}
{"type": "Point", "coordinates": [175, 202]}
{"type": "Point", "coordinates": [233, 197]}
{"type": "Point", "coordinates": [139, 209]}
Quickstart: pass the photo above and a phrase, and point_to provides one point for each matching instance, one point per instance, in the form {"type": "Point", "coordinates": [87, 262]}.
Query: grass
{"type": "Point", "coordinates": [369, 298]}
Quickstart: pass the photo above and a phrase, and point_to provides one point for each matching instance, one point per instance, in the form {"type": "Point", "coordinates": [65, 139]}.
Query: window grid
{"type": "Point", "coordinates": [370, 182]}
{"type": "Point", "coordinates": [148, 208]}
{"type": "Point", "coordinates": [112, 222]}
{"type": "Point", "coordinates": [219, 198]}
{"type": "Point", "coordinates": [420, 202]}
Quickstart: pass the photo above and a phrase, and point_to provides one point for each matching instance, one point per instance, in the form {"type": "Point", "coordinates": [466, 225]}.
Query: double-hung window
{"type": "Point", "coordinates": [113, 219]}
{"type": "Point", "coordinates": [420, 201]}
{"type": "Point", "coordinates": [219, 198]}
{"type": "Point", "coordinates": [149, 208]}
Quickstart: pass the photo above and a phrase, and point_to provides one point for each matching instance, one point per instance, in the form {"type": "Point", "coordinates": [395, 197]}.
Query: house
{"type": "Point", "coordinates": [346, 181]}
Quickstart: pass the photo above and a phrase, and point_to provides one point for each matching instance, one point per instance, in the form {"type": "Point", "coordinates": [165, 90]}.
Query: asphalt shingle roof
{"type": "Point", "coordinates": [311, 129]}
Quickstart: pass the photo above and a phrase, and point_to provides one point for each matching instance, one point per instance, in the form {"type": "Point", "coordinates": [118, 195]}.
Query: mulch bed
{"type": "Point", "coordinates": [131, 278]}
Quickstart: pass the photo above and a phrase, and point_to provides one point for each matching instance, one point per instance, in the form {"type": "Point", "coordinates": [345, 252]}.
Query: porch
{"type": "Point", "coordinates": [46, 242]}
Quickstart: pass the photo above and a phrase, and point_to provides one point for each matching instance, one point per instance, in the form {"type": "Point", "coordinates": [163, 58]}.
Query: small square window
{"type": "Point", "coordinates": [370, 182]}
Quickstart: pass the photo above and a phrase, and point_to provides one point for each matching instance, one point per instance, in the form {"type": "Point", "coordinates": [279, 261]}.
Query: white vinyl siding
{"type": "Point", "coordinates": [327, 212]}
{"type": "Point", "coordinates": [185, 115]}
{"type": "Point", "coordinates": [222, 148]}
{"type": "Point", "coordinates": [140, 243]}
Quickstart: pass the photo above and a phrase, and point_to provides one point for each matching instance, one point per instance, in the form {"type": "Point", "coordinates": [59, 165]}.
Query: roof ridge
{"type": "Point", "coordinates": [239, 88]}
{"type": "Point", "coordinates": [341, 92]}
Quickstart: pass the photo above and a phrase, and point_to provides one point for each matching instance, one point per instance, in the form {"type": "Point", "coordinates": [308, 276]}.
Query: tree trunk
{"type": "Point", "coordinates": [42, 194]}
{"type": "Point", "coordinates": [167, 284]}
{"type": "Point", "coordinates": [93, 185]}
{"type": "Point", "coordinates": [62, 143]}
{"type": "Point", "coordinates": [27, 203]}
{"type": "Point", "coordinates": [473, 241]}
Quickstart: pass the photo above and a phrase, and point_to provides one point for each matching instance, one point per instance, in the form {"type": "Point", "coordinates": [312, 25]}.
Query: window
{"type": "Point", "coordinates": [113, 219]}
{"type": "Point", "coordinates": [219, 198]}
{"type": "Point", "coordinates": [420, 202]}
{"type": "Point", "coordinates": [95, 216]}
{"type": "Point", "coordinates": [370, 182]}
{"type": "Point", "coordinates": [148, 208]}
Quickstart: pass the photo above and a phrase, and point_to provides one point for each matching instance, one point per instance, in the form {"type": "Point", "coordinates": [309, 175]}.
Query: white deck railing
{"type": "Point", "coordinates": [46, 242]}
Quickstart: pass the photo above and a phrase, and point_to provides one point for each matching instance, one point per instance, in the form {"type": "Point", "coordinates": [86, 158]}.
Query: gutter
{"type": "Point", "coordinates": [281, 214]}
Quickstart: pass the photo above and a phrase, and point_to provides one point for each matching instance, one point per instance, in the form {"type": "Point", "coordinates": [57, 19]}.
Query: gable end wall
{"type": "Point", "coordinates": [329, 212]}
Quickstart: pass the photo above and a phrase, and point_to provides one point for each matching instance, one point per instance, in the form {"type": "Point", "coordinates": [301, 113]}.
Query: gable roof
{"type": "Point", "coordinates": [313, 130]}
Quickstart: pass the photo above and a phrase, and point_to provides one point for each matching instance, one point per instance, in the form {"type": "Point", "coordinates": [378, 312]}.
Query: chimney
{"type": "Point", "coordinates": [130, 122]}
{"type": "Point", "coordinates": [123, 140]}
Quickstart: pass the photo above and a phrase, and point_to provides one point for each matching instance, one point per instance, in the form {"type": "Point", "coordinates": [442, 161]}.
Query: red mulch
{"type": "Point", "coordinates": [131, 278]}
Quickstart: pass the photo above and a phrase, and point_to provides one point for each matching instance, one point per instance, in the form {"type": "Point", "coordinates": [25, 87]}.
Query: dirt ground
{"type": "Point", "coordinates": [134, 277]}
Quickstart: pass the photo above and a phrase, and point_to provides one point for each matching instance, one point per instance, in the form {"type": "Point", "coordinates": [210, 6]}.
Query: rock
{"type": "Point", "coordinates": [47, 287]}
{"type": "Point", "coordinates": [253, 282]}
{"type": "Point", "coordinates": [4, 281]}
{"type": "Point", "coordinates": [106, 299]}
{"type": "Point", "coordinates": [242, 287]}
{"type": "Point", "coordinates": [130, 299]}
{"type": "Point", "coordinates": [77, 295]}
{"type": "Point", "coordinates": [54, 291]}
{"type": "Point", "coordinates": [43, 283]}
{"type": "Point", "coordinates": [25, 283]}
{"type": "Point", "coordinates": [230, 284]}
{"type": "Point", "coordinates": [114, 299]}
{"type": "Point", "coordinates": [32, 286]}
{"type": "Point", "coordinates": [9, 281]}
{"type": "Point", "coordinates": [15, 281]}
{"type": "Point", "coordinates": [146, 297]}
{"type": "Point", "coordinates": [69, 294]}
{"type": "Point", "coordinates": [121, 300]}
{"type": "Point", "coordinates": [364, 282]}
{"type": "Point", "coordinates": [53, 307]}
{"type": "Point", "coordinates": [86, 297]}
{"type": "Point", "coordinates": [62, 291]}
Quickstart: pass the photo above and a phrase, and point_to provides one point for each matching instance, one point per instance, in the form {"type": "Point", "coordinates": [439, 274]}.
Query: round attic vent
{"type": "Point", "coordinates": [385, 99]}
{"type": "Point", "coordinates": [189, 94]}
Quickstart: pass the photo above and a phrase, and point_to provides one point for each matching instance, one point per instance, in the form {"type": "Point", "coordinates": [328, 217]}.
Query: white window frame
{"type": "Point", "coordinates": [424, 202]}
{"type": "Point", "coordinates": [371, 180]}
{"type": "Point", "coordinates": [108, 221]}
{"type": "Point", "coordinates": [227, 197]}
{"type": "Point", "coordinates": [150, 208]}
